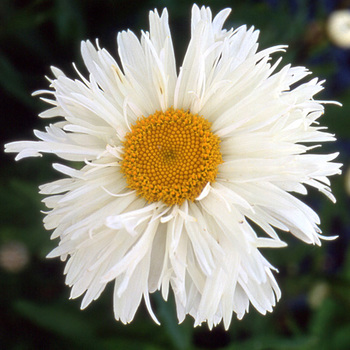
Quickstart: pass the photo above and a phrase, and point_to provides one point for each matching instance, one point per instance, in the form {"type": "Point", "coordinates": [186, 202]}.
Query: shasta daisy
{"type": "Point", "coordinates": [176, 164]}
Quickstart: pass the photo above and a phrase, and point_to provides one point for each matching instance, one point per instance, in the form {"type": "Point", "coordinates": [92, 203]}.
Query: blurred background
{"type": "Point", "coordinates": [35, 312]}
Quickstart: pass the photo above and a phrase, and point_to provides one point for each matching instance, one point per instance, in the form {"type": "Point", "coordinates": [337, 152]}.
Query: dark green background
{"type": "Point", "coordinates": [35, 311]}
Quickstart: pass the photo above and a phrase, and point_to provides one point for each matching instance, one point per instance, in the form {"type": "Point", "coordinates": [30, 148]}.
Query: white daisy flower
{"type": "Point", "coordinates": [176, 165]}
{"type": "Point", "coordinates": [338, 28]}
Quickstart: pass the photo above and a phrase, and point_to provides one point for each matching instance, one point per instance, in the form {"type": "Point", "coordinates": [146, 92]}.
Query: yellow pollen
{"type": "Point", "coordinates": [170, 156]}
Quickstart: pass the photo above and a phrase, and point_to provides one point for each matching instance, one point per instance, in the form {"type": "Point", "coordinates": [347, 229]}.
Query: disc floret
{"type": "Point", "coordinates": [170, 156]}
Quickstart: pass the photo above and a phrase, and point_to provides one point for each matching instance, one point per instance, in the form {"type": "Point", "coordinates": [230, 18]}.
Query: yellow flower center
{"type": "Point", "coordinates": [170, 156]}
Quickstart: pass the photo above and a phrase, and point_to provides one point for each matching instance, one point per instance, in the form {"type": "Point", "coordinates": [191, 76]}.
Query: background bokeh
{"type": "Point", "coordinates": [35, 312]}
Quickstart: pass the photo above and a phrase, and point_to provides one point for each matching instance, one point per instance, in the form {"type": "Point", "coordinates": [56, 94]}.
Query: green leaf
{"type": "Point", "coordinates": [62, 321]}
{"type": "Point", "coordinates": [68, 19]}
{"type": "Point", "coordinates": [12, 82]}
{"type": "Point", "coordinates": [180, 334]}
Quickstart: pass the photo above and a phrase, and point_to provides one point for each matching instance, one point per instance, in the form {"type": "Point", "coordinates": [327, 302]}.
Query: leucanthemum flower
{"type": "Point", "coordinates": [338, 28]}
{"type": "Point", "coordinates": [176, 165]}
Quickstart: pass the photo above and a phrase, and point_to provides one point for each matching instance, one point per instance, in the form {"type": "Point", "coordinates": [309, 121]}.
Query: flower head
{"type": "Point", "coordinates": [338, 28]}
{"type": "Point", "coordinates": [177, 164]}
